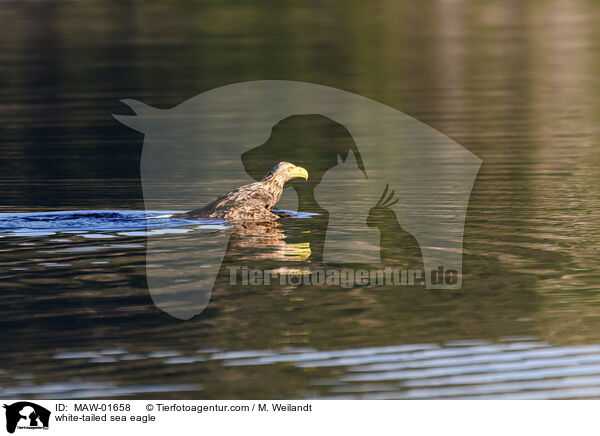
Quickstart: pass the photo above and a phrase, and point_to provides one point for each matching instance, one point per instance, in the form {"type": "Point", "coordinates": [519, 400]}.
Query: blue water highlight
{"type": "Point", "coordinates": [106, 224]}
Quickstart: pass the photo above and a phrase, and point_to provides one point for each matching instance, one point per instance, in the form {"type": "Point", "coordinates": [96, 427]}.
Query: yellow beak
{"type": "Point", "coordinates": [299, 172]}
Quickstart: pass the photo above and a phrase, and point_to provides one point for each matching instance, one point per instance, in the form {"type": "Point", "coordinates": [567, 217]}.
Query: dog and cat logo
{"type": "Point", "coordinates": [26, 415]}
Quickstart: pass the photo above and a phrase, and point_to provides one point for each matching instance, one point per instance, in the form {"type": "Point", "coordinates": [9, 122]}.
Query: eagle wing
{"type": "Point", "coordinates": [248, 202]}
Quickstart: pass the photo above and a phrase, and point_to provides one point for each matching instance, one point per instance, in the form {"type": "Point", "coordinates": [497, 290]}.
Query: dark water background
{"type": "Point", "coordinates": [517, 83]}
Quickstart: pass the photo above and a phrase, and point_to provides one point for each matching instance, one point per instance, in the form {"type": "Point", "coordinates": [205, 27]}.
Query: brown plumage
{"type": "Point", "coordinates": [251, 202]}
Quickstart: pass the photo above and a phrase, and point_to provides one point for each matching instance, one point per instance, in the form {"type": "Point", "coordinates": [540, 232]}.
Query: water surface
{"type": "Point", "coordinates": [516, 83]}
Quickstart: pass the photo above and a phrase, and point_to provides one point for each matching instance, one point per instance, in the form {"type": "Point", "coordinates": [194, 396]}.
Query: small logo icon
{"type": "Point", "coordinates": [26, 415]}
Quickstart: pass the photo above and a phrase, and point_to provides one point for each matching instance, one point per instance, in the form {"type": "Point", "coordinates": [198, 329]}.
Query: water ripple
{"type": "Point", "coordinates": [518, 367]}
